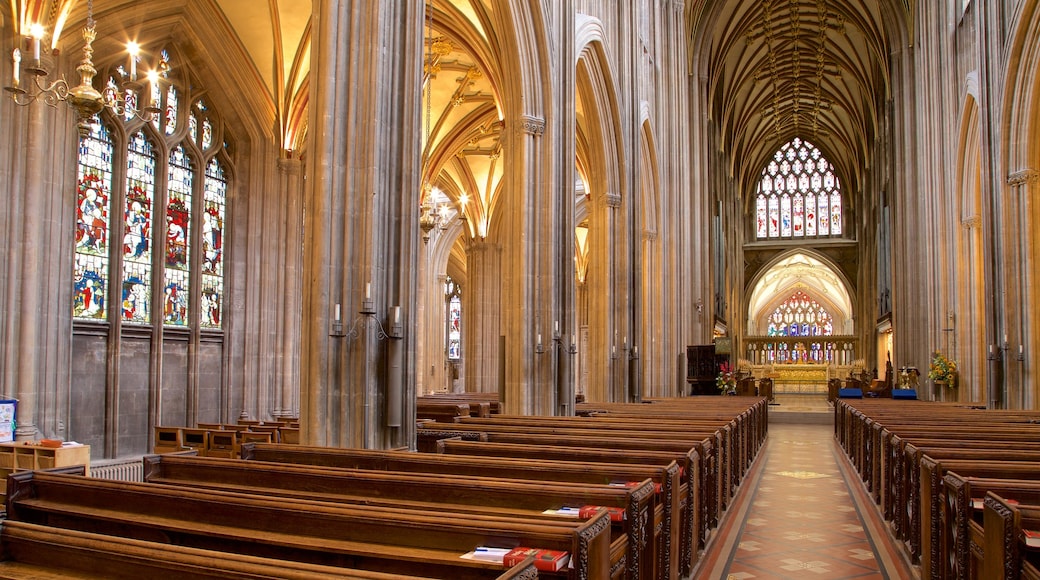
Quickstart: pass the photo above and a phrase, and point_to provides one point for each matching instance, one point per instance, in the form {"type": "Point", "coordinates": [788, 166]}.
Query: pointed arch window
{"type": "Point", "coordinates": [800, 315]}
{"type": "Point", "coordinates": [453, 306]}
{"type": "Point", "coordinates": [169, 211]}
{"type": "Point", "coordinates": [799, 195]}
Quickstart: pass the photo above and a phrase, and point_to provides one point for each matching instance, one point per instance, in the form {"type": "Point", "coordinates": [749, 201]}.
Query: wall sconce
{"type": "Point", "coordinates": [538, 348]}
{"type": "Point", "coordinates": [573, 349]}
{"type": "Point", "coordinates": [368, 312]}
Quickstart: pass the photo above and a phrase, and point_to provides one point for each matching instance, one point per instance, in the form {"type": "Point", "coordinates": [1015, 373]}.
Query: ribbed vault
{"type": "Point", "coordinates": [778, 69]}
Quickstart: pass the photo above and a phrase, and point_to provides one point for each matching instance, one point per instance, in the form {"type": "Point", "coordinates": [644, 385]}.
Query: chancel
{"type": "Point", "coordinates": [592, 242]}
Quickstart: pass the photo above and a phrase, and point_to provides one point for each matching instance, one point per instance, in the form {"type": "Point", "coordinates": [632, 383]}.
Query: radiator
{"type": "Point", "coordinates": [118, 469]}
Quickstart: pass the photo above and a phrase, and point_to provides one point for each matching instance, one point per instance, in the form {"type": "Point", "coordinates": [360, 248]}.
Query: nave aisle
{"type": "Point", "coordinates": [802, 513]}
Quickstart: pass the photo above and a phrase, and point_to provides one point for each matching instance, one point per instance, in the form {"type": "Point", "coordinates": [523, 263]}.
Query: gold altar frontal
{"type": "Point", "coordinates": [803, 379]}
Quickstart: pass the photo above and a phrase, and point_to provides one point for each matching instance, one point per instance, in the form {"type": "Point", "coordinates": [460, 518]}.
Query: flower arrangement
{"type": "Point", "coordinates": [942, 369]}
{"type": "Point", "coordinates": [727, 379]}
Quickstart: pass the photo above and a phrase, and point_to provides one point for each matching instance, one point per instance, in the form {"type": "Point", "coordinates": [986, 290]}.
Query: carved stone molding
{"type": "Point", "coordinates": [532, 125]}
{"type": "Point", "coordinates": [612, 199]}
{"type": "Point", "coordinates": [1025, 177]}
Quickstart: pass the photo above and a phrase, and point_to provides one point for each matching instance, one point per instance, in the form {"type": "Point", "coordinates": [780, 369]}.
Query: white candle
{"type": "Point", "coordinates": [1005, 340]}
{"type": "Point", "coordinates": [337, 312]}
{"type": "Point", "coordinates": [397, 315]}
{"type": "Point", "coordinates": [36, 48]}
{"type": "Point", "coordinates": [556, 328]}
{"type": "Point", "coordinates": [572, 340]}
{"type": "Point", "coordinates": [368, 290]}
{"type": "Point", "coordinates": [539, 340]}
{"type": "Point", "coordinates": [133, 49]}
{"type": "Point", "coordinates": [1021, 349]}
{"type": "Point", "coordinates": [991, 349]}
{"type": "Point", "coordinates": [17, 58]}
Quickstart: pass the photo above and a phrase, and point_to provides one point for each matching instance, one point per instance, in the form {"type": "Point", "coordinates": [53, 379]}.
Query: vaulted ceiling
{"type": "Point", "coordinates": [777, 69]}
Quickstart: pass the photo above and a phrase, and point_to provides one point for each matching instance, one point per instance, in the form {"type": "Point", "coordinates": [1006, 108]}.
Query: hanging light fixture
{"type": "Point", "coordinates": [84, 98]}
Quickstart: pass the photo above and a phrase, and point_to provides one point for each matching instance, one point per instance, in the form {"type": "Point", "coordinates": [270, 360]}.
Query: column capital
{"type": "Point", "coordinates": [612, 199]}
{"type": "Point", "coordinates": [1024, 177]}
{"type": "Point", "coordinates": [532, 125]}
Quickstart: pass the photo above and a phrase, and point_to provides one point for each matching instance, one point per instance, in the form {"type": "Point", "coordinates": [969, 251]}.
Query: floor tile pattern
{"type": "Point", "coordinates": [801, 514]}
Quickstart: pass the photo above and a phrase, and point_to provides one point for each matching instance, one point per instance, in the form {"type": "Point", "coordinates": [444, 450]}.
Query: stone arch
{"type": "Point", "coordinates": [969, 320]}
{"type": "Point", "coordinates": [806, 269]}
{"type": "Point", "coordinates": [599, 152]}
{"type": "Point", "coordinates": [650, 335]}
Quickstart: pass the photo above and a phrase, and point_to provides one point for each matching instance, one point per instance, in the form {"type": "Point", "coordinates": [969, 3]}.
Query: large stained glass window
{"type": "Point", "coordinates": [213, 245]}
{"type": "Point", "coordinates": [137, 242]}
{"type": "Point", "coordinates": [93, 192]}
{"type": "Point", "coordinates": [154, 241]}
{"type": "Point", "coordinates": [799, 195]}
{"type": "Point", "coordinates": [178, 216]}
{"type": "Point", "coordinates": [453, 301]}
{"type": "Point", "coordinates": [800, 315]}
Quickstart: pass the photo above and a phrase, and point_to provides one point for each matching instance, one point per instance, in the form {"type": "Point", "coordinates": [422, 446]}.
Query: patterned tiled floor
{"type": "Point", "coordinates": [801, 514]}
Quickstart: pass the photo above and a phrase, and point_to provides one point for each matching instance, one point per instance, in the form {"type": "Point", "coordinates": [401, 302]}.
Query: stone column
{"type": "Point", "coordinates": [39, 319]}
{"type": "Point", "coordinates": [520, 290]}
{"type": "Point", "coordinates": [482, 316]}
{"type": "Point", "coordinates": [1021, 322]}
{"type": "Point", "coordinates": [361, 219]}
{"type": "Point", "coordinates": [605, 353]}
{"type": "Point", "coordinates": [290, 184]}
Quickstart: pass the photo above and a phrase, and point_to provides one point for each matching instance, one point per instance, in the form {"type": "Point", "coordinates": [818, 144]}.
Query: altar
{"type": "Point", "coordinates": [801, 378]}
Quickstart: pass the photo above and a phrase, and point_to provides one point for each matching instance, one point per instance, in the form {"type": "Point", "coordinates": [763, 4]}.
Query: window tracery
{"type": "Point", "coordinates": [799, 195]}
{"type": "Point", "coordinates": [800, 315]}
{"type": "Point", "coordinates": [173, 200]}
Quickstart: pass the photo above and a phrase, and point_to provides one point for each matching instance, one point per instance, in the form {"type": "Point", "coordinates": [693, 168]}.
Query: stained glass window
{"type": "Point", "coordinates": [213, 244]}
{"type": "Point", "coordinates": [93, 192]}
{"type": "Point", "coordinates": [452, 294]}
{"type": "Point", "coordinates": [137, 254]}
{"type": "Point", "coordinates": [172, 200]}
{"type": "Point", "coordinates": [802, 193]}
{"type": "Point", "coordinates": [178, 218]}
{"type": "Point", "coordinates": [800, 315]}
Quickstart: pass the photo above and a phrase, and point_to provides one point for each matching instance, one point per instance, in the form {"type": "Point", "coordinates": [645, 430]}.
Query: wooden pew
{"type": "Point", "coordinates": [1006, 556]}
{"type": "Point", "coordinates": [667, 477]}
{"type": "Point", "coordinates": [963, 536]}
{"type": "Point", "coordinates": [699, 515]}
{"type": "Point", "coordinates": [442, 412]}
{"type": "Point", "coordinates": [435, 492]}
{"type": "Point", "coordinates": [45, 553]}
{"type": "Point", "coordinates": [689, 463]}
{"type": "Point", "coordinates": [403, 541]}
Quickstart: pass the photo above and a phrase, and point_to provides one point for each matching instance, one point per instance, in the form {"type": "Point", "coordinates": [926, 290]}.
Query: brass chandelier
{"type": "Point", "coordinates": [84, 98]}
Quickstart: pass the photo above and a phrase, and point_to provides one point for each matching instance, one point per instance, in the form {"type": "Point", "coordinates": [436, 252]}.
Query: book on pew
{"type": "Point", "coordinates": [977, 502]}
{"type": "Point", "coordinates": [617, 514]}
{"type": "Point", "coordinates": [487, 554]}
{"type": "Point", "coordinates": [568, 512]}
{"type": "Point", "coordinates": [1032, 538]}
{"type": "Point", "coordinates": [544, 560]}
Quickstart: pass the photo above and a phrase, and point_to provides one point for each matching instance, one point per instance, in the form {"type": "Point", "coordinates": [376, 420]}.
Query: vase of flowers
{"type": "Point", "coordinates": [727, 379]}
{"type": "Point", "coordinates": [942, 370]}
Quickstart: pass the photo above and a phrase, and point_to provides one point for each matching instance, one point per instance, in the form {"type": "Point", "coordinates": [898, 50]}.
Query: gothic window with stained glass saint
{"type": "Point", "coordinates": [799, 195]}
{"type": "Point", "coordinates": [167, 213]}
{"type": "Point", "coordinates": [453, 305]}
{"type": "Point", "coordinates": [93, 192]}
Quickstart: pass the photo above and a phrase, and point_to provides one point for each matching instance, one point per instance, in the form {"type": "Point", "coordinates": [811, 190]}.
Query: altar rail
{"type": "Point", "coordinates": [830, 350]}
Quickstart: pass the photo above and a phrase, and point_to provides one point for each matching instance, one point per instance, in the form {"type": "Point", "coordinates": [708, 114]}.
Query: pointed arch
{"type": "Point", "coordinates": [800, 269]}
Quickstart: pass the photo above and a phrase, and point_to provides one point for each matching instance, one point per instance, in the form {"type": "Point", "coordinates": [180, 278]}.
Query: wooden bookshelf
{"type": "Point", "coordinates": [19, 456]}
